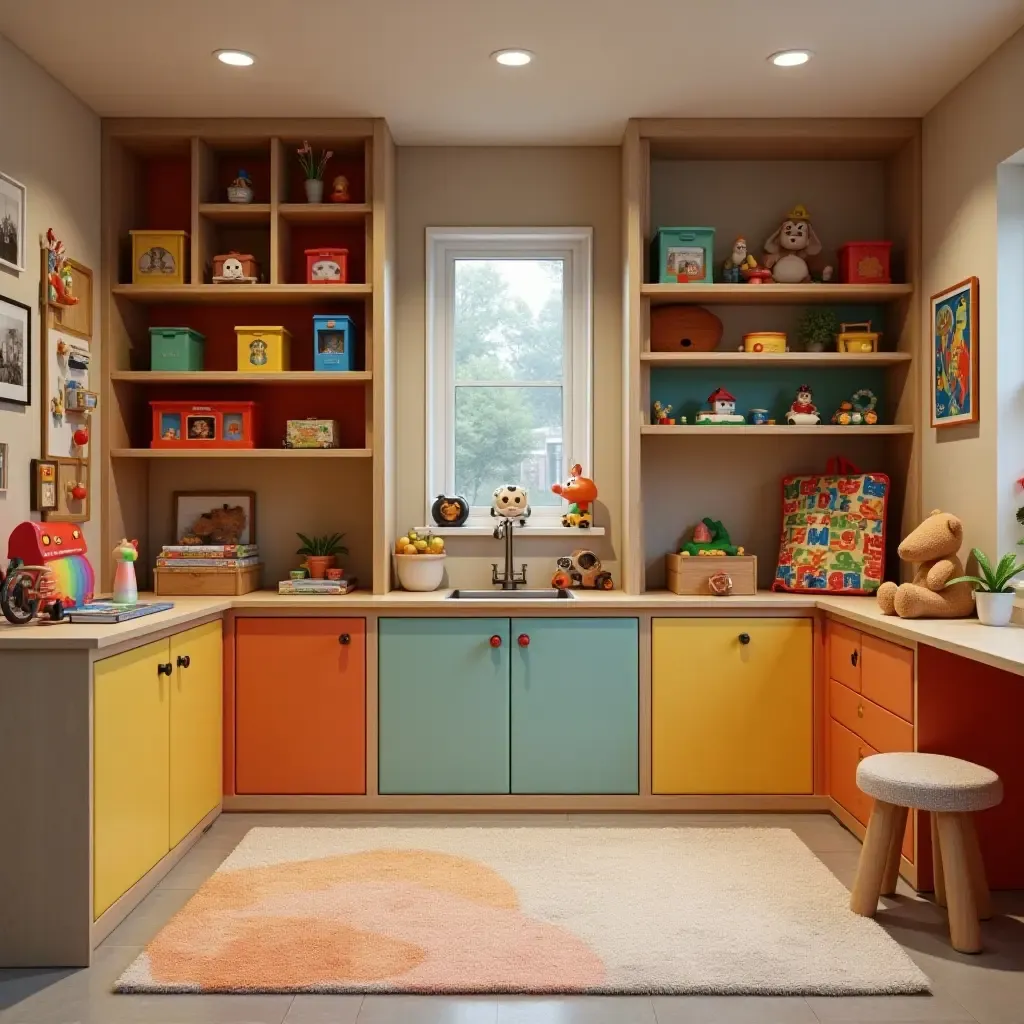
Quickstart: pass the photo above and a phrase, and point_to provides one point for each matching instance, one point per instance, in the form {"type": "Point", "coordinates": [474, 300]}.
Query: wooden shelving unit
{"type": "Point", "coordinates": [862, 178]}
{"type": "Point", "coordinates": [172, 174]}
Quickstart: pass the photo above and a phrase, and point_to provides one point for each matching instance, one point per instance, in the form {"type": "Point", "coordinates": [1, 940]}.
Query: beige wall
{"type": "Point", "coordinates": [965, 138]}
{"type": "Point", "coordinates": [50, 142]}
{"type": "Point", "coordinates": [510, 187]}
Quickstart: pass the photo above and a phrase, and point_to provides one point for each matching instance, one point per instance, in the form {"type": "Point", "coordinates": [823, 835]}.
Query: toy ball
{"type": "Point", "coordinates": [80, 437]}
{"type": "Point", "coordinates": [79, 492]}
{"type": "Point", "coordinates": [510, 500]}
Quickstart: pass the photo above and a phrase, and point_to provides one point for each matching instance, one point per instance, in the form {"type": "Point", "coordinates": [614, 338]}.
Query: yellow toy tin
{"type": "Point", "coordinates": [765, 341]}
{"type": "Point", "coordinates": [264, 349]}
{"type": "Point", "coordinates": [857, 337]}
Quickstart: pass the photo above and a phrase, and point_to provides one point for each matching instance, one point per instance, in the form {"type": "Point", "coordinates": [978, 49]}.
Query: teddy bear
{"type": "Point", "coordinates": [223, 525]}
{"type": "Point", "coordinates": [934, 545]}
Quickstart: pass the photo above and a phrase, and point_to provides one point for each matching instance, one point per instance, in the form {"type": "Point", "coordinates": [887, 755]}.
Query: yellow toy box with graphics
{"type": "Point", "coordinates": [582, 569]}
{"type": "Point", "coordinates": [311, 434]}
{"type": "Point", "coordinates": [158, 257]}
{"type": "Point", "coordinates": [264, 349]}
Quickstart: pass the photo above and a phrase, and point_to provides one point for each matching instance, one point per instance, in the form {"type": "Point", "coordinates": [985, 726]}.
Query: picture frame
{"type": "Point", "coordinates": [44, 497]}
{"type": "Point", "coordinates": [189, 506]}
{"type": "Point", "coordinates": [15, 351]}
{"type": "Point", "coordinates": [13, 206]}
{"type": "Point", "coordinates": [3, 466]}
{"type": "Point", "coordinates": [68, 508]}
{"type": "Point", "coordinates": [954, 347]}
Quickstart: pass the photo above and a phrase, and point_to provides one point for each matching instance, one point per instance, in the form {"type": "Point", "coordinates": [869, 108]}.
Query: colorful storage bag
{"type": "Point", "coordinates": [833, 531]}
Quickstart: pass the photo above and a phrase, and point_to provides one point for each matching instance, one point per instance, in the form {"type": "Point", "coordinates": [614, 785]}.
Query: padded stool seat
{"type": "Point", "coordinates": [929, 782]}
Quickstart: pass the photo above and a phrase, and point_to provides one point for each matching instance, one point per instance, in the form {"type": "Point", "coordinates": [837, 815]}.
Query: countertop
{"type": "Point", "coordinates": [1002, 648]}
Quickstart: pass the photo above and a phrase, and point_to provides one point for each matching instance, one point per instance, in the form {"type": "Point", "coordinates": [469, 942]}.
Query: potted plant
{"type": "Point", "coordinates": [818, 328]}
{"type": "Point", "coordinates": [313, 167]}
{"type": "Point", "coordinates": [321, 552]}
{"type": "Point", "coordinates": [994, 596]}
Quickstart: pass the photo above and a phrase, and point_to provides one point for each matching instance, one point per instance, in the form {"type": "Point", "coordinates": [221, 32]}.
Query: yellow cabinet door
{"type": "Point", "coordinates": [731, 706]}
{"type": "Point", "coordinates": [196, 727]}
{"type": "Point", "coordinates": [130, 769]}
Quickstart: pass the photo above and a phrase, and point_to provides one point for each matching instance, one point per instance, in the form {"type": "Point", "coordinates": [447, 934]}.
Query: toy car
{"type": "Point", "coordinates": [581, 569]}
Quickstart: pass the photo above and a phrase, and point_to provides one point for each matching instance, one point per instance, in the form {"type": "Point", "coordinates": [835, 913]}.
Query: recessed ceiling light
{"type": "Point", "coordinates": [790, 58]}
{"type": "Point", "coordinates": [512, 58]}
{"type": "Point", "coordinates": [236, 58]}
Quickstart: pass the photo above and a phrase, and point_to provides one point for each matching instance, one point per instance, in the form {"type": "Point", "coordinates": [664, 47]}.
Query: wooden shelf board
{"type": "Point", "coordinates": [774, 358]}
{"type": "Point", "coordinates": [523, 533]}
{"type": "Point", "coordinates": [241, 294]}
{"type": "Point", "coordinates": [745, 430]}
{"type": "Point", "coordinates": [324, 213]}
{"type": "Point", "coordinates": [238, 377]}
{"type": "Point", "coordinates": [236, 213]}
{"type": "Point", "coordinates": [241, 453]}
{"type": "Point", "coordinates": [774, 294]}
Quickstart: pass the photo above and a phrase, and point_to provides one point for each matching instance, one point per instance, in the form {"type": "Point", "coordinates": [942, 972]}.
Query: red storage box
{"type": "Point", "coordinates": [864, 263]}
{"type": "Point", "coordinates": [326, 266]}
{"type": "Point", "coordinates": [213, 425]}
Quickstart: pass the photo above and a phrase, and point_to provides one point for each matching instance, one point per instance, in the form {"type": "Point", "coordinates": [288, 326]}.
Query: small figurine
{"type": "Point", "coordinates": [58, 272]}
{"type": "Point", "coordinates": [710, 539]}
{"type": "Point", "coordinates": [803, 409]}
{"type": "Point", "coordinates": [62, 347]}
{"type": "Point", "coordinates": [126, 588]}
{"type": "Point", "coordinates": [511, 502]}
{"type": "Point", "coordinates": [857, 411]}
{"type": "Point", "coordinates": [738, 262]}
{"type": "Point", "coordinates": [722, 411]}
{"type": "Point", "coordinates": [240, 190]}
{"type": "Point", "coordinates": [582, 492]}
{"type": "Point", "coordinates": [341, 193]}
{"type": "Point", "coordinates": [788, 246]}
{"type": "Point", "coordinates": [663, 414]}
{"type": "Point", "coordinates": [758, 417]}
{"type": "Point", "coordinates": [582, 569]}
{"type": "Point", "coordinates": [57, 406]}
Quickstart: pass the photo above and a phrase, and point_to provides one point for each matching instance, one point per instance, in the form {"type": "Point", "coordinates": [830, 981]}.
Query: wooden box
{"type": "Point", "coordinates": [264, 349]}
{"type": "Point", "coordinates": [865, 263]}
{"type": "Point", "coordinates": [326, 266]}
{"type": "Point", "coordinates": [176, 348]}
{"type": "Point", "coordinates": [212, 425]}
{"type": "Point", "coordinates": [158, 257]}
{"type": "Point", "coordinates": [235, 268]}
{"type": "Point", "coordinates": [689, 574]}
{"type": "Point", "coordinates": [206, 582]}
{"type": "Point", "coordinates": [684, 329]}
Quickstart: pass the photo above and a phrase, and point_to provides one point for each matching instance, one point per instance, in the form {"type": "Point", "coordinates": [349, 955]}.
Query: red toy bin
{"type": "Point", "coordinates": [865, 263]}
{"type": "Point", "coordinates": [210, 425]}
{"type": "Point", "coordinates": [326, 266]}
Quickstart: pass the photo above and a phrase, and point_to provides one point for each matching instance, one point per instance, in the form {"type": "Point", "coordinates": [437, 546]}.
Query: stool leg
{"type": "Point", "coordinates": [874, 858]}
{"type": "Point", "coordinates": [977, 867]}
{"type": "Point", "coordinates": [964, 930]}
{"type": "Point", "coordinates": [940, 882]}
{"type": "Point", "coordinates": [892, 868]}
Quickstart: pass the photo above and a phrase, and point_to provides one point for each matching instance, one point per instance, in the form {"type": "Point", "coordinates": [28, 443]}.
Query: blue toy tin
{"type": "Point", "coordinates": [759, 417]}
{"type": "Point", "coordinates": [333, 338]}
{"type": "Point", "coordinates": [682, 254]}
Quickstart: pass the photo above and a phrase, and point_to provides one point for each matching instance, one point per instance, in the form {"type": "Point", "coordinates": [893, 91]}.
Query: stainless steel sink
{"type": "Point", "coordinates": [512, 595]}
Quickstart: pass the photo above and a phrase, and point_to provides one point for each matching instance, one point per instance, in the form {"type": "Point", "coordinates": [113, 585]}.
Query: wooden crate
{"type": "Point", "coordinates": [205, 582]}
{"type": "Point", "coordinates": [687, 574]}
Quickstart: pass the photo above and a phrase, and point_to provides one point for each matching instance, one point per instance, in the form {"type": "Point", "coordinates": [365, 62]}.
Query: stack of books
{"type": "Point", "coordinates": [309, 586]}
{"type": "Point", "coordinates": [208, 556]}
{"type": "Point", "coordinates": [207, 569]}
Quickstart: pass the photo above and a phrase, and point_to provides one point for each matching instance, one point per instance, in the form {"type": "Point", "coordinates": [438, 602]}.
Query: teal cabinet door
{"type": "Point", "coordinates": [443, 694]}
{"type": "Point", "coordinates": [575, 718]}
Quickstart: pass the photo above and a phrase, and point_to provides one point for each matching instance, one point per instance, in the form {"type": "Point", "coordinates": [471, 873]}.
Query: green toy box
{"type": "Point", "coordinates": [175, 348]}
{"type": "Point", "coordinates": [681, 255]}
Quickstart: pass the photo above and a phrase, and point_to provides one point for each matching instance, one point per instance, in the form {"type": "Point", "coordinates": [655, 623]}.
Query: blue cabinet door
{"type": "Point", "coordinates": [444, 705]}
{"type": "Point", "coordinates": [575, 719]}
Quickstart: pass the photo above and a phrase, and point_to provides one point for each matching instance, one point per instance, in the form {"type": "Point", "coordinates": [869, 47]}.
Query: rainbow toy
{"type": "Point", "coordinates": [61, 548]}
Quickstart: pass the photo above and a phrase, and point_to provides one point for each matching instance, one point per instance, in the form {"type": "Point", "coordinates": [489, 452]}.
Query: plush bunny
{"type": "Point", "coordinates": [787, 248]}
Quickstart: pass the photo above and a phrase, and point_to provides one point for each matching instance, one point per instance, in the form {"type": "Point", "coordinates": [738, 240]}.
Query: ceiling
{"type": "Point", "coordinates": [423, 64]}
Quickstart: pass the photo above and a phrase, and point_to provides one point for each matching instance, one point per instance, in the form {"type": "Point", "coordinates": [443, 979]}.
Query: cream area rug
{"type": "Point", "coordinates": [528, 910]}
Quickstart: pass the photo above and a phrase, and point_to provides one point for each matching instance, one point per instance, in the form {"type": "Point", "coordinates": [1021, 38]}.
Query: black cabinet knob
{"type": "Point", "coordinates": [345, 639]}
{"type": "Point", "coordinates": [184, 661]}
{"type": "Point", "coordinates": [165, 669]}
{"type": "Point", "coordinates": [744, 638]}
{"type": "Point", "coordinates": [854, 658]}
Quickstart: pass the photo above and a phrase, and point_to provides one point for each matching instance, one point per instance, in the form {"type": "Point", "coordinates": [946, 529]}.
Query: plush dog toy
{"type": "Point", "coordinates": [934, 544]}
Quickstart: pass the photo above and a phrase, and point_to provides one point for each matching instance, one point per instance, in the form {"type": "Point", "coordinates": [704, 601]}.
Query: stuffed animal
{"type": "Point", "coordinates": [934, 545]}
{"type": "Point", "coordinates": [789, 246]}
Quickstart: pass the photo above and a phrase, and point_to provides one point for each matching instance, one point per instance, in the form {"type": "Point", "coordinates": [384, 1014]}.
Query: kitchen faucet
{"type": "Point", "coordinates": [509, 579]}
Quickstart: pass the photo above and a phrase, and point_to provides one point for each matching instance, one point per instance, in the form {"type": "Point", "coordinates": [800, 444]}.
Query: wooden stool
{"type": "Point", "coordinates": [951, 790]}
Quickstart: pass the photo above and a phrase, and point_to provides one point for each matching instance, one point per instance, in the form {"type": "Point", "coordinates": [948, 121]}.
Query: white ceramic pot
{"type": "Point", "coordinates": [314, 190]}
{"type": "Point", "coordinates": [239, 194]}
{"type": "Point", "coordinates": [994, 609]}
{"type": "Point", "coordinates": [420, 572]}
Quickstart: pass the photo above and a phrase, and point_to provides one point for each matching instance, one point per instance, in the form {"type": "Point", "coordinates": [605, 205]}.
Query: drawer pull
{"type": "Point", "coordinates": [345, 639]}
{"type": "Point", "coordinates": [854, 658]}
{"type": "Point", "coordinates": [165, 669]}
{"type": "Point", "coordinates": [860, 754]}
{"type": "Point", "coordinates": [495, 641]}
{"type": "Point", "coordinates": [524, 640]}
{"type": "Point", "coordinates": [184, 661]}
{"type": "Point", "coordinates": [860, 710]}
{"type": "Point", "coordinates": [744, 638]}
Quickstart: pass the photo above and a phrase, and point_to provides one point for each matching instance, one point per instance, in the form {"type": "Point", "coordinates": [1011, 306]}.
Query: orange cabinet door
{"type": "Point", "coordinates": [887, 676]}
{"type": "Point", "coordinates": [300, 705]}
{"type": "Point", "coordinates": [844, 654]}
{"type": "Point", "coordinates": [846, 750]}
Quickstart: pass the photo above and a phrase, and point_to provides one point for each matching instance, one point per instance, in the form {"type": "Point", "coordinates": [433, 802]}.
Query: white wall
{"type": "Point", "coordinates": [50, 142]}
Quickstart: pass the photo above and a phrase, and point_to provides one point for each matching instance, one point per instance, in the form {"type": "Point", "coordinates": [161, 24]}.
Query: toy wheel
{"type": "Point", "coordinates": [604, 581]}
{"type": "Point", "coordinates": [584, 524]}
{"type": "Point", "coordinates": [57, 611]}
{"type": "Point", "coordinates": [16, 607]}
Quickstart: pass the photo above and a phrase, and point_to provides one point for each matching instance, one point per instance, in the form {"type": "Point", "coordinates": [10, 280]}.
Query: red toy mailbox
{"type": "Point", "coordinates": [326, 266]}
{"type": "Point", "coordinates": [214, 425]}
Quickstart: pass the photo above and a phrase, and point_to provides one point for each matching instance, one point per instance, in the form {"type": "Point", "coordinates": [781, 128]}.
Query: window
{"type": "Point", "coordinates": [508, 359]}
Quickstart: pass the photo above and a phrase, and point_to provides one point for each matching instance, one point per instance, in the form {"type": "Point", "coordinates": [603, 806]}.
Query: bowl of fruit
{"type": "Point", "coordinates": [419, 561]}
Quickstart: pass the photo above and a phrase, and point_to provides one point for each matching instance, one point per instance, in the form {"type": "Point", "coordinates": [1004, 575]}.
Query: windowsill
{"type": "Point", "coordinates": [529, 530]}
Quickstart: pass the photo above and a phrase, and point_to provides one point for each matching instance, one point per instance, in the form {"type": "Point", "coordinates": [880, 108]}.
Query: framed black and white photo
{"type": "Point", "coordinates": [3, 466]}
{"type": "Point", "coordinates": [15, 351]}
{"type": "Point", "coordinates": [12, 223]}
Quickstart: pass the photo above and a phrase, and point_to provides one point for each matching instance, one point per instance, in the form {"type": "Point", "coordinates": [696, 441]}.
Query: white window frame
{"type": "Point", "coordinates": [574, 246]}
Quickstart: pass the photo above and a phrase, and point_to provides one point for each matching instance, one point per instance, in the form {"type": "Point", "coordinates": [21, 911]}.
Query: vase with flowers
{"type": "Point", "coordinates": [313, 166]}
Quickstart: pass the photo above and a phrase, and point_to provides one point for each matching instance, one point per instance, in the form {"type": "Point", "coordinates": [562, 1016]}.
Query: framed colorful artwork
{"type": "Point", "coordinates": [954, 330]}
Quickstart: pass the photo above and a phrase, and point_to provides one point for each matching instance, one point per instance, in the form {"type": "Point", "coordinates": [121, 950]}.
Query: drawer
{"type": "Point", "coordinates": [844, 654]}
{"type": "Point", "coordinates": [846, 750]}
{"type": "Point", "coordinates": [887, 676]}
{"type": "Point", "coordinates": [883, 730]}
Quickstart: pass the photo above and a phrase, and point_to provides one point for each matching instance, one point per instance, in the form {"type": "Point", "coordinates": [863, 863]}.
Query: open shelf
{"type": "Point", "coordinates": [324, 213]}
{"type": "Point", "coordinates": [736, 359]}
{"type": "Point", "coordinates": [242, 294]}
{"type": "Point", "coordinates": [236, 213]}
{"type": "Point", "coordinates": [774, 430]}
{"type": "Point", "coordinates": [239, 377]}
{"type": "Point", "coordinates": [241, 453]}
{"type": "Point", "coordinates": [774, 294]}
{"type": "Point", "coordinates": [523, 533]}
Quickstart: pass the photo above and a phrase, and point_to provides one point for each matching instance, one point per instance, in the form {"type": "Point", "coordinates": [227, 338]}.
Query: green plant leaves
{"type": "Point", "coordinates": [327, 544]}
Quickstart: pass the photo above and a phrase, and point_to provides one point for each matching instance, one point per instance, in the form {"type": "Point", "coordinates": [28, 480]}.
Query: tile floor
{"type": "Point", "coordinates": [987, 989]}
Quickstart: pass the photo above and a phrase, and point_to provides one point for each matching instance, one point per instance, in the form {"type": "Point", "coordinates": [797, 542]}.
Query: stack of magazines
{"type": "Point", "coordinates": [309, 586]}
{"type": "Point", "coordinates": [190, 557]}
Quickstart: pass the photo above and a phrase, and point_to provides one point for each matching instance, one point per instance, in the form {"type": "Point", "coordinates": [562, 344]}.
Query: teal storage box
{"type": "Point", "coordinates": [175, 348]}
{"type": "Point", "coordinates": [682, 255]}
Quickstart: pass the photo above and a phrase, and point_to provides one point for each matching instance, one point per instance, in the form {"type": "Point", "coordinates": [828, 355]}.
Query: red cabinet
{"type": "Point", "coordinates": [300, 705]}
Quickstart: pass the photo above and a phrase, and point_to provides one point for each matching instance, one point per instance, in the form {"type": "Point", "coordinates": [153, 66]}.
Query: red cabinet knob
{"type": "Point", "coordinates": [495, 641]}
{"type": "Point", "coordinates": [524, 640]}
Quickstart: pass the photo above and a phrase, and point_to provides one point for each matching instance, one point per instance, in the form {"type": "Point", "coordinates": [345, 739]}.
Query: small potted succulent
{"type": "Point", "coordinates": [817, 329]}
{"type": "Point", "coordinates": [994, 595]}
{"type": "Point", "coordinates": [321, 552]}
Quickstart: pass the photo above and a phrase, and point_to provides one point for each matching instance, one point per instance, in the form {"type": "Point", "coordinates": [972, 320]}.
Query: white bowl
{"type": "Point", "coordinates": [420, 572]}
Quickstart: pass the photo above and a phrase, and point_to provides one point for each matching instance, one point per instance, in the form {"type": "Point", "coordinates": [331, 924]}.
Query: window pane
{"type": "Point", "coordinates": [508, 319]}
{"type": "Point", "coordinates": [508, 435]}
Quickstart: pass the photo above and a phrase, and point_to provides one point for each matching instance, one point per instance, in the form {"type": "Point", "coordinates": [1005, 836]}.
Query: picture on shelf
{"type": "Point", "coordinates": [15, 351]}
{"type": "Point", "coordinates": [954, 319]}
{"type": "Point", "coordinates": [12, 223]}
{"type": "Point", "coordinates": [44, 485]}
{"type": "Point", "coordinates": [204, 518]}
